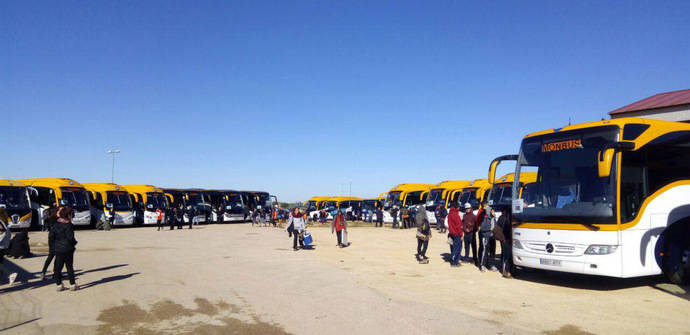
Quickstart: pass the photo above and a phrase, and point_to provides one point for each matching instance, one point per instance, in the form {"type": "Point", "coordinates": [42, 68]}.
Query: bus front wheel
{"type": "Point", "coordinates": [676, 261]}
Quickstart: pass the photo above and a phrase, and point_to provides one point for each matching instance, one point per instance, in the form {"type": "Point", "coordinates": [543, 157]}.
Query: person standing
{"type": "Point", "coordinates": [404, 216]}
{"type": "Point", "coordinates": [51, 254]}
{"type": "Point", "coordinates": [394, 214]}
{"type": "Point", "coordinates": [469, 227]}
{"type": "Point", "coordinates": [485, 234]}
{"type": "Point", "coordinates": [296, 221]}
{"type": "Point", "coordinates": [442, 214]}
{"type": "Point", "coordinates": [339, 226]}
{"type": "Point", "coordinates": [192, 215]}
{"type": "Point", "coordinates": [159, 218]}
{"type": "Point", "coordinates": [220, 214]}
{"type": "Point", "coordinates": [180, 217]}
{"type": "Point", "coordinates": [5, 238]}
{"type": "Point", "coordinates": [455, 232]}
{"type": "Point", "coordinates": [111, 219]}
{"type": "Point", "coordinates": [423, 237]}
{"type": "Point", "coordinates": [62, 238]}
{"type": "Point", "coordinates": [171, 216]}
{"type": "Point", "coordinates": [503, 233]}
{"type": "Point", "coordinates": [379, 216]}
{"type": "Point", "coordinates": [420, 215]}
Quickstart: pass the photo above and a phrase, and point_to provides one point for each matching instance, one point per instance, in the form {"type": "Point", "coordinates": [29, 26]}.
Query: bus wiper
{"type": "Point", "coordinates": [589, 225]}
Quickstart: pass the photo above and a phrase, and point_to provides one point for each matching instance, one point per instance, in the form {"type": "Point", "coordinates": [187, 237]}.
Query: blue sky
{"type": "Point", "coordinates": [301, 97]}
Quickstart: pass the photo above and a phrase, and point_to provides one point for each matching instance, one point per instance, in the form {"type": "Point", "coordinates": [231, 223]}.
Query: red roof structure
{"type": "Point", "coordinates": [660, 100]}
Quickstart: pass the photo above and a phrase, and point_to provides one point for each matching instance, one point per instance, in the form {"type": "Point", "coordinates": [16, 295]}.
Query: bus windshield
{"type": "Point", "coordinates": [393, 199]}
{"type": "Point", "coordinates": [234, 200]}
{"type": "Point", "coordinates": [568, 187]}
{"type": "Point", "coordinates": [311, 205]}
{"type": "Point", "coordinates": [194, 198]}
{"type": "Point", "coordinates": [14, 197]}
{"type": "Point", "coordinates": [157, 200]}
{"type": "Point", "coordinates": [414, 198]}
{"type": "Point", "coordinates": [469, 196]}
{"type": "Point", "coordinates": [369, 205]}
{"type": "Point", "coordinates": [501, 194]}
{"type": "Point", "coordinates": [330, 205]}
{"type": "Point", "coordinates": [75, 197]}
{"type": "Point", "coordinates": [434, 199]}
{"type": "Point", "coordinates": [119, 200]}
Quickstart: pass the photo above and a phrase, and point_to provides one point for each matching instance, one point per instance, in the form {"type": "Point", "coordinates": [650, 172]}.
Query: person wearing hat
{"type": "Point", "coordinates": [469, 227]}
{"type": "Point", "coordinates": [455, 233]}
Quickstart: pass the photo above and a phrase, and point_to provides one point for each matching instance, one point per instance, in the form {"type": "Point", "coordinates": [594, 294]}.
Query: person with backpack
{"type": "Point", "coordinates": [339, 227]}
{"type": "Point", "coordinates": [61, 237]}
{"type": "Point", "coordinates": [455, 233]}
{"type": "Point", "coordinates": [296, 221]}
{"type": "Point", "coordinates": [485, 234]}
{"type": "Point", "coordinates": [423, 237]}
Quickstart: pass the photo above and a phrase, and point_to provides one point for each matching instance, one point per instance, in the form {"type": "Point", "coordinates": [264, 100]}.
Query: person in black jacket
{"type": "Point", "coordinates": [19, 245]}
{"type": "Point", "coordinates": [61, 237]}
{"type": "Point", "coordinates": [171, 216]}
{"type": "Point", "coordinates": [192, 214]}
{"type": "Point", "coordinates": [180, 217]}
{"type": "Point", "coordinates": [504, 234]}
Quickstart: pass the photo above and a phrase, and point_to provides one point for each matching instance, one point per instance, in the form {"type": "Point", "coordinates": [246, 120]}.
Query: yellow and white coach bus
{"type": "Point", "coordinates": [612, 198]}
{"type": "Point", "coordinates": [60, 191]}
{"type": "Point", "coordinates": [104, 195]}
{"type": "Point", "coordinates": [147, 199]}
{"type": "Point", "coordinates": [14, 197]}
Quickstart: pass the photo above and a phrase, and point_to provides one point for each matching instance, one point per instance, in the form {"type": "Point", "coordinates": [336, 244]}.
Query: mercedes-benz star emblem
{"type": "Point", "coordinates": [549, 248]}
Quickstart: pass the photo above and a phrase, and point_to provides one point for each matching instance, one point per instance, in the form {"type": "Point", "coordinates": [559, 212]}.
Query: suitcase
{"type": "Point", "coordinates": [307, 239]}
{"type": "Point", "coordinates": [344, 237]}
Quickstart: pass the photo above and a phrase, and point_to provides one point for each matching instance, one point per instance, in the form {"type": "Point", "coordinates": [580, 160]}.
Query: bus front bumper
{"type": "Point", "coordinates": [602, 265]}
{"type": "Point", "coordinates": [82, 218]}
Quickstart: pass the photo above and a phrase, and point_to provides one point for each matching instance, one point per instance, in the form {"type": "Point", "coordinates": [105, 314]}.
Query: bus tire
{"type": "Point", "coordinates": [676, 262]}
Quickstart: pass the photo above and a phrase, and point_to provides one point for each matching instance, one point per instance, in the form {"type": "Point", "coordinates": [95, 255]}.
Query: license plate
{"type": "Point", "coordinates": [552, 262]}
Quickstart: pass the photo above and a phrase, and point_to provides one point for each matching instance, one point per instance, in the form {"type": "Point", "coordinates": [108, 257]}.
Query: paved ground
{"type": "Point", "coordinates": [248, 280]}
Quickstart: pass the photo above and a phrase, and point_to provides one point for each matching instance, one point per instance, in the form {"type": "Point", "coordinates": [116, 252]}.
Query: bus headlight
{"type": "Point", "coordinates": [601, 249]}
{"type": "Point", "coordinates": [517, 244]}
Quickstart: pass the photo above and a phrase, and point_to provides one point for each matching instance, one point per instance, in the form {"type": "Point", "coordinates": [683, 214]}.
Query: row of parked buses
{"type": "Point", "coordinates": [28, 202]}
{"type": "Point", "coordinates": [607, 198]}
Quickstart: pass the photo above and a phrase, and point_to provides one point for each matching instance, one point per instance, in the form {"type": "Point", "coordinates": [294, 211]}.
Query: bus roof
{"type": "Point", "coordinates": [412, 187]}
{"type": "Point", "coordinates": [7, 182]}
{"type": "Point", "coordinates": [103, 187]}
{"type": "Point", "coordinates": [51, 182]}
{"type": "Point", "coordinates": [656, 128]}
{"type": "Point", "coordinates": [140, 188]}
{"type": "Point", "coordinates": [319, 198]}
{"type": "Point", "coordinates": [451, 184]}
{"type": "Point", "coordinates": [338, 199]}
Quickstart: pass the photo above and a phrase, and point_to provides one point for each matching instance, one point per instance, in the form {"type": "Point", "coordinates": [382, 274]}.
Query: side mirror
{"type": "Point", "coordinates": [606, 156]}
{"type": "Point", "coordinates": [605, 161]}
{"type": "Point", "coordinates": [494, 164]}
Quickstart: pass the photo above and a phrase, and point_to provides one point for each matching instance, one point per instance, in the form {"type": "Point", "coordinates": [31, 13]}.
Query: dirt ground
{"type": "Point", "coordinates": [238, 279]}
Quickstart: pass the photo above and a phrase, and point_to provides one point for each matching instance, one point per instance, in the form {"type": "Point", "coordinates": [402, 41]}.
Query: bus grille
{"type": "Point", "coordinates": [558, 248]}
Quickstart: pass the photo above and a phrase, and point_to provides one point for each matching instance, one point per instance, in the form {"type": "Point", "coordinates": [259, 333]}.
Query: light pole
{"type": "Point", "coordinates": [112, 175]}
